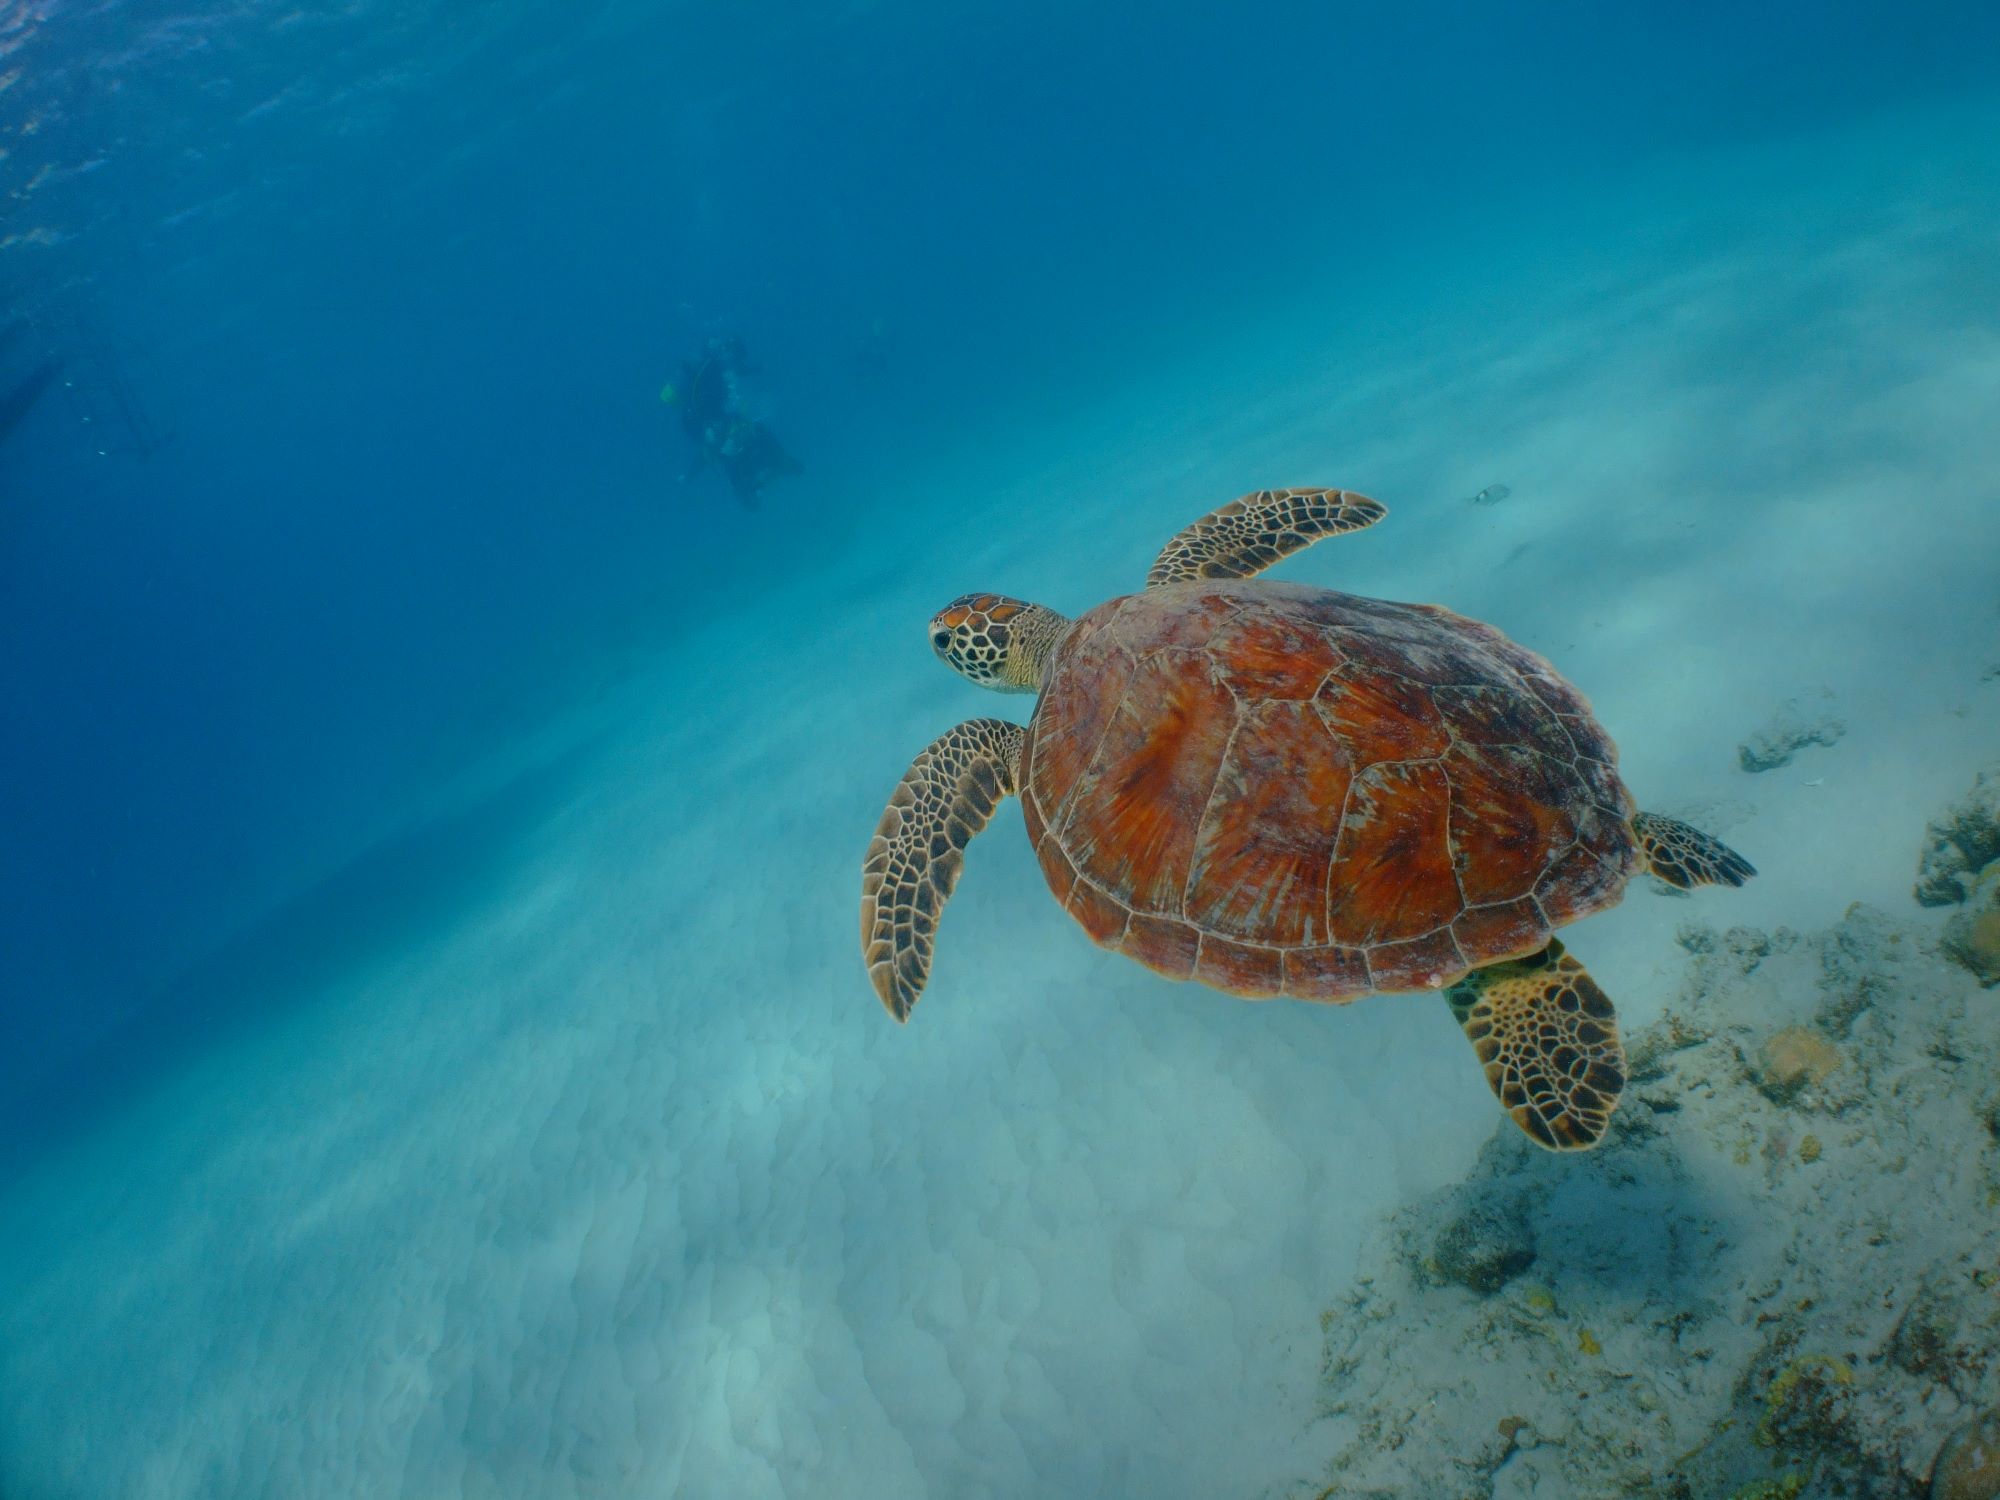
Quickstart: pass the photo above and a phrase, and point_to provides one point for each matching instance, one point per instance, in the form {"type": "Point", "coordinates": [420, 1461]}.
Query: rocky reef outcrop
{"type": "Point", "coordinates": [1779, 1277]}
{"type": "Point", "coordinates": [1791, 729]}
{"type": "Point", "coordinates": [1960, 865]}
{"type": "Point", "coordinates": [1960, 842]}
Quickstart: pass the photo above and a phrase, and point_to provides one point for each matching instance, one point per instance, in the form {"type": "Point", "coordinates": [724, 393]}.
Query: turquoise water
{"type": "Point", "coordinates": [441, 1060]}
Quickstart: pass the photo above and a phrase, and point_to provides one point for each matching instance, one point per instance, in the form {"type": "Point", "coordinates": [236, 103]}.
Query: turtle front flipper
{"type": "Point", "coordinates": [1246, 536]}
{"type": "Point", "coordinates": [1684, 856]}
{"type": "Point", "coordinates": [946, 796]}
{"type": "Point", "coordinates": [1548, 1039]}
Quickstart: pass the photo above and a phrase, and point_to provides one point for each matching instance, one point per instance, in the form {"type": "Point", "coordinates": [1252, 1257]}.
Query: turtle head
{"type": "Point", "coordinates": [998, 642]}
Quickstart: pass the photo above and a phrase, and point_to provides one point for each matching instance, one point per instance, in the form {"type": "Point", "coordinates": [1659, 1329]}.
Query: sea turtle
{"type": "Point", "coordinates": [1282, 790]}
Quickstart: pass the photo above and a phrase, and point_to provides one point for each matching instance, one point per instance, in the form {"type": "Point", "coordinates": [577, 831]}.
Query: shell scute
{"type": "Point", "coordinates": [1379, 716]}
{"type": "Point", "coordinates": [1132, 820]}
{"type": "Point", "coordinates": [1332, 972]}
{"type": "Point", "coordinates": [1422, 963]}
{"type": "Point", "coordinates": [1162, 619]}
{"type": "Point", "coordinates": [1424, 645]}
{"type": "Point", "coordinates": [1506, 819]}
{"type": "Point", "coordinates": [1486, 714]}
{"type": "Point", "coordinates": [1578, 882]}
{"type": "Point", "coordinates": [1392, 876]}
{"type": "Point", "coordinates": [1102, 917]}
{"type": "Point", "coordinates": [1260, 861]}
{"type": "Point", "coordinates": [1049, 854]}
{"type": "Point", "coordinates": [1089, 682]}
{"type": "Point", "coordinates": [1240, 969]}
{"type": "Point", "coordinates": [1506, 929]}
{"type": "Point", "coordinates": [1163, 944]}
{"type": "Point", "coordinates": [1264, 656]}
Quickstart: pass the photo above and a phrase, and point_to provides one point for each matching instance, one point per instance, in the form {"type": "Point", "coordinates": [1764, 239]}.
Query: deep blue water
{"type": "Point", "coordinates": [392, 289]}
{"type": "Point", "coordinates": [357, 471]}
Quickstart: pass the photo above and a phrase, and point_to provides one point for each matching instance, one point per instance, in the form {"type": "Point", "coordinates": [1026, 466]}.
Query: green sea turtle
{"type": "Point", "coordinates": [1281, 790]}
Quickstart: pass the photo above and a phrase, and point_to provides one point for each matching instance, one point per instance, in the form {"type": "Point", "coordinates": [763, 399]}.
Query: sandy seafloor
{"type": "Point", "coordinates": [620, 1182]}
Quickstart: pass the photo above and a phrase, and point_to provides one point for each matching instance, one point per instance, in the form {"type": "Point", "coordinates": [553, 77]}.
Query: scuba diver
{"type": "Point", "coordinates": [751, 457]}
{"type": "Point", "coordinates": [716, 423]}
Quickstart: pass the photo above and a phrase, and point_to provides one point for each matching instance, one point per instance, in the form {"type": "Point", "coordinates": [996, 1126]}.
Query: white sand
{"type": "Point", "coordinates": [626, 1186]}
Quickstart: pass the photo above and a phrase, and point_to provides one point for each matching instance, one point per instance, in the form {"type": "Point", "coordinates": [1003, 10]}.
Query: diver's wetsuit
{"type": "Point", "coordinates": [720, 432]}
{"type": "Point", "coordinates": [756, 457]}
{"type": "Point", "coordinates": [708, 394]}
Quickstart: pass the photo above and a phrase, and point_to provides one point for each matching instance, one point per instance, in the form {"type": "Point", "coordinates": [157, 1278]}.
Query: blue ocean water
{"type": "Point", "coordinates": [440, 1060]}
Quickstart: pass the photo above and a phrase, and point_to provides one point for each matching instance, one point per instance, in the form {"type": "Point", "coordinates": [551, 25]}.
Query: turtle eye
{"type": "Point", "coordinates": [942, 639]}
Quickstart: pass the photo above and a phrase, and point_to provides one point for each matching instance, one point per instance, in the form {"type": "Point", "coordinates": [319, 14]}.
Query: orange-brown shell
{"type": "Point", "coordinates": [1279, 790]}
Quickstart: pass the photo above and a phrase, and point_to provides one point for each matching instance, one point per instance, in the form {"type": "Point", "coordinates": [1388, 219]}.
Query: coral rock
{"type": "Point", "coordinates": [1485, 1247]}
{"type": "Point", "coordinates": [1792, 1061]}
{"type": "Point", "coordinates": [1968, 1465]}
{"type": "Point", "coordinates": [1975, 942]}
{"type": "Point", "coordinates": [1960, 842]}
{"type": "Point", "coordinates": [1973, 937]}
{"type": "Point", "coordinates": [1791, 729]}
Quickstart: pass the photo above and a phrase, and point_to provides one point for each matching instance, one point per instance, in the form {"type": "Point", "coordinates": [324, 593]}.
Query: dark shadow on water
{"type": "Point", "coordinates": [391, 897]}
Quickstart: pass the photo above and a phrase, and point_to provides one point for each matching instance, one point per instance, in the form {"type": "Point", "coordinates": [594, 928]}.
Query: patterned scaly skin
{"type": "Point", "coordinates": [1548, 1039]}
{"type": "Point", "coordinates": [1244, 537]}
{"type": "Point", "coordinates": [948, 795]}
{"type": "Point", "coordinates": [1000, 643]}
{"type": "Point", "coordinates": [1684, 856]}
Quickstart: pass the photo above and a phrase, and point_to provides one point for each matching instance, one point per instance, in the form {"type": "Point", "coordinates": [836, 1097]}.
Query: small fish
{"type": "Point", "coordinates": [1493, 494]}
{"type": "Point", "coordinates": [1817, 781]}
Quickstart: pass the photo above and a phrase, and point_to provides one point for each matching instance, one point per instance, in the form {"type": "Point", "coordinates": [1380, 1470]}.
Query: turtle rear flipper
{"type": "Point", "coordinates": [948, 794]}
{"type": "Point", "coordinates": [1684, 856]}
{"type": "Point", "coordinates": [1244, 537]}
{"type": "Point", "coordinates": [1548, 1039]}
